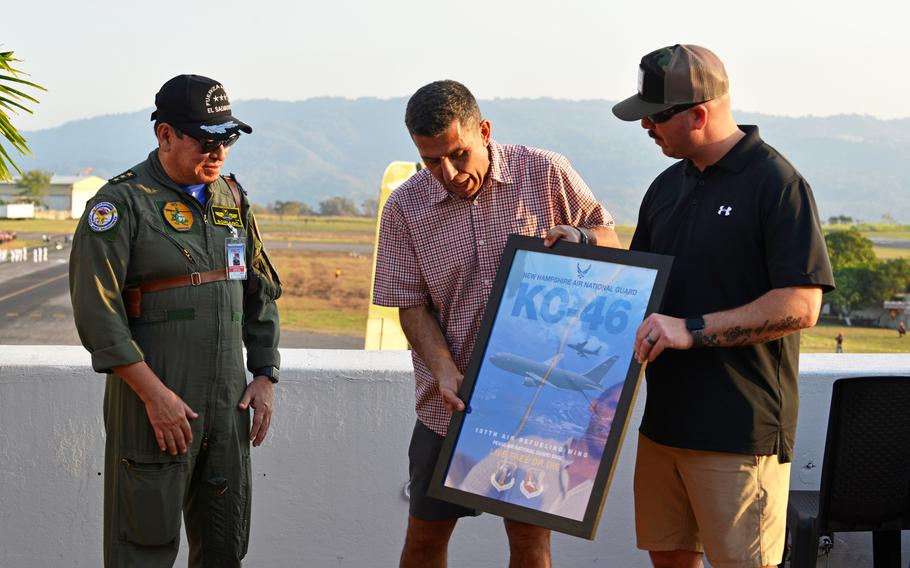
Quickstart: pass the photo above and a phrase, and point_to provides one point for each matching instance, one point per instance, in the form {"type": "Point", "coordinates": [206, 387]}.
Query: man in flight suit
{"type": "Point", "coordinates": [165, 319]}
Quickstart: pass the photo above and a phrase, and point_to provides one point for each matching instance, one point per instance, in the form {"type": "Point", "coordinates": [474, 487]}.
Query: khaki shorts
{"type": "Point", "coordinates": [733, 507]}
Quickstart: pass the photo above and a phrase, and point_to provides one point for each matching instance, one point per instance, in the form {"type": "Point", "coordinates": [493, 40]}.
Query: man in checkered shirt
{"type": "Point", "coordinates": [441, 237]}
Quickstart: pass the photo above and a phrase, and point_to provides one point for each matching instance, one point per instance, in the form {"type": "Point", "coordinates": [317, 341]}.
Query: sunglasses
{"type": "Point", "coordinates": [665, 115]}
{"type": "Point", "coordinates": [209, 146]}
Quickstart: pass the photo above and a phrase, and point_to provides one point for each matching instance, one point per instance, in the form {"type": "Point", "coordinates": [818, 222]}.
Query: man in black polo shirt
{"type": "Point", "coordinates": [716, 441]}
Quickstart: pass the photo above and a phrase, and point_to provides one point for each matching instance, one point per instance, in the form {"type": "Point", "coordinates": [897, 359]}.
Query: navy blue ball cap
{"type": "Point", "coordinates": [199, 107]}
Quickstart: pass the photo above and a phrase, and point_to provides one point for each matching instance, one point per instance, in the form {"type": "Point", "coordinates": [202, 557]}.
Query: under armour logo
{"type": "Point", "coordinates": [725, 210]}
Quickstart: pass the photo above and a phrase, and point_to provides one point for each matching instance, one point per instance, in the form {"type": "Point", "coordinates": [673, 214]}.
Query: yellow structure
{"type": "Point", "coordinates": [67, 195]}
{"type": "Point", "coordinates": [383, 328]}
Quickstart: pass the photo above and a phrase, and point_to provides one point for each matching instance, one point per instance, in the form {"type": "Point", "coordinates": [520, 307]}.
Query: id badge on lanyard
{"type": "Point", "coordinates": [235, 248]}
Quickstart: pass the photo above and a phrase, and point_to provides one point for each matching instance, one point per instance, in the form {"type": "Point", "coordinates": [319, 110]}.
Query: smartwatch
{"type": "Point", "coordinates": [270, 372]}
{"type": "Point", "coordinates": [696, 327]}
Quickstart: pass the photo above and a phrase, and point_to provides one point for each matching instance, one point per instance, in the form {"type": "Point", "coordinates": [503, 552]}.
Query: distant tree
{"type": "Point", "coordinates": [369, 207]}
{"type": "Point", "coordinates": [891, 278]}
{"type": "Point", "coordinates": [338, 207]}
{"type": "Point", "coordinates": [851, 284]}
{"type": "Point", "coordinates": [840, 220]}
{"type": "Point", "coordinates": [861, 279]}
{"type": "Point", "coordinates": [889, 219]}
{"type": "Point", "coordinates": [849, 249]}
{"type": "Point", "coordinates": [34, 185]}
{"type": "Point", "coordinates": [853, 263]}
{"type": "Point", "coordinates": [292, 208]}
{"type": "Point", "coordinates": [10, 100]}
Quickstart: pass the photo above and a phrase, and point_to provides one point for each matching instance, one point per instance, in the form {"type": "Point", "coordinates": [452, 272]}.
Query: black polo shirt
{"type": "Point", "coordinates": [744, 226]}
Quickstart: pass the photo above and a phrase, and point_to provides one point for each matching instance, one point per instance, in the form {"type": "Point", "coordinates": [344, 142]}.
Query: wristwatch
{"type": "Point", "coordinates": [696, 327]}
{"type": "Point", "coordinates": [270, 372]}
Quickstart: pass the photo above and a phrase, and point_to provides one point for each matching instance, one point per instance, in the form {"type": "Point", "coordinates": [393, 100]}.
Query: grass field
{"type": "Point", "coordinates": [889, 253]}
{"type": "Point", "coordinates": [820, 339]}
{"type": "Point", "coordinates": [324, 292]}
{"type": "Point", "coordinates": [49, 226]}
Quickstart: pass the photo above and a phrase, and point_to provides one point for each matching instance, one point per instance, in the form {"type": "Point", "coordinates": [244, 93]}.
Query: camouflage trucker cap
{"type": "Point", "coordinates": [676, 75]}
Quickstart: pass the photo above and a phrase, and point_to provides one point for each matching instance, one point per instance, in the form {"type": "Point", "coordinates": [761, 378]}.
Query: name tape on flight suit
{"type": "Point", "coordinates": [226, 216]}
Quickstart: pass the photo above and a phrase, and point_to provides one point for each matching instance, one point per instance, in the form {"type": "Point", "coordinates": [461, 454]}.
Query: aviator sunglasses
{"type": "Point", "coordinates": [209, 146]}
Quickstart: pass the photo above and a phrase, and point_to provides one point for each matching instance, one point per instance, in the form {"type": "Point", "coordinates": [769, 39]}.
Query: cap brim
{"type": "Point", "coordinates": [221, 128]}
{"type": "Point", "coordinates": [636, 108]}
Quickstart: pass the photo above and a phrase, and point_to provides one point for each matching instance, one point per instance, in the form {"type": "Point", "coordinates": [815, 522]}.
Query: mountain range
{"type": "Point", "coordinates": [317, 148]}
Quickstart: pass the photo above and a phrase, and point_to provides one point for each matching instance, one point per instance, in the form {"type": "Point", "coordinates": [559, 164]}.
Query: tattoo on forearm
{"type": "Point", "coordinates": [786, 325]}
{"type": "Point", "coordinates": [737, 335]}
{"type": "Point", "coordinates": [767, 331]}
{"type": "Point", "coordinates": [711, 340]}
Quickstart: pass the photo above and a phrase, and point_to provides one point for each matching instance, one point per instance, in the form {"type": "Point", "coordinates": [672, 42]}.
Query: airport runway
{"type": "Point", "coordinates": [35, 308]}
{"type": "Point", "coordinates": [34, 303]}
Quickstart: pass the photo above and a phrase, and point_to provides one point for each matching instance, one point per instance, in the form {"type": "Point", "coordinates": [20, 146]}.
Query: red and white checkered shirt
{"type": "Point", "coordinates": [441, 250]}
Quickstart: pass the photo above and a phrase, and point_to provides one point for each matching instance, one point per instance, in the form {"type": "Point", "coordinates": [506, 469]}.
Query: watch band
{"type": "Point", "coordinates": [270, 372]}
{"type": "Point", "coordinates": [696, 327]}
{"type": "Point", "coordinates": [582, 236]}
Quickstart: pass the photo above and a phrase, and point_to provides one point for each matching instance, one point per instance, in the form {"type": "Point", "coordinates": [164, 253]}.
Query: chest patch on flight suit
{"type": "Point", "coordinates": [178, 216]}
{"type": "Point", "coordinates": [102, 217]}
{"type": "Point", "coordinates": [128, 174]}
{"type": "Point", "coordinates": [226, 216]}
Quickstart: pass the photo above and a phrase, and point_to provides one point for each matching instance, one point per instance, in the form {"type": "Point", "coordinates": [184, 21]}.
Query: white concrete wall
{"type": "Point", "coordinates": [328, 482]}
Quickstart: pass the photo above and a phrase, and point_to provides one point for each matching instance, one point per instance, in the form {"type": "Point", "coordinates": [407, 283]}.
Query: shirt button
{"type": "Point", "coordinates": [486, 282]}
{"type": "Point", "coordinates": [701, 182]}
{"type": "Point", "coordinates": [480, 243]}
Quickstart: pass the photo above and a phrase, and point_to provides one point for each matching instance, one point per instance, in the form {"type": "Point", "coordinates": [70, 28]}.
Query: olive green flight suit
{"type": "Point", "coordinates": [192, 338]}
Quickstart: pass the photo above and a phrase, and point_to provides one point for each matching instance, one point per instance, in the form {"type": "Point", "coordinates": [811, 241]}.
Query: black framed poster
{"type": "Point", "coordinates": [550, 384]}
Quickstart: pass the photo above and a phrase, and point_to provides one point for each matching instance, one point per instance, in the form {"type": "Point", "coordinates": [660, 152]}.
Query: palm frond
{"type": "Point", "coordinates": [10, 99]}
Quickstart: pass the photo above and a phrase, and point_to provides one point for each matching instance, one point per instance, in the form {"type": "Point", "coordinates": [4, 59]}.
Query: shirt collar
{"type": "Point", "coordinates": [739, 155]}
{"type": "Point", "coordinates": [158, 172]}
{"type": "Point", "coordinates": [499, 172]}
{"type": "Point", "coordinates": [499, 168]}
{"type": "Point", "coordinates": [736, 159]}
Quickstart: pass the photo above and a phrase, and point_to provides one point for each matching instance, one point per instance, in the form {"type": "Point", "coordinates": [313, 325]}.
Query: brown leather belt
{"type": "Point", "coordinates": [132, 295]}
{"type": "Point", "coordinates": [194, 279]}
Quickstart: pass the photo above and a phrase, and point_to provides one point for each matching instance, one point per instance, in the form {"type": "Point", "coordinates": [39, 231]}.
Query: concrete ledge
{"type": "Point", "coordinates": [328, 481]}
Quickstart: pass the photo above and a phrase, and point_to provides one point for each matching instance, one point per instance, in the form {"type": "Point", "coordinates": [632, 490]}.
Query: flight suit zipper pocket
{"type": "Point", "coordinates": [182, 248]}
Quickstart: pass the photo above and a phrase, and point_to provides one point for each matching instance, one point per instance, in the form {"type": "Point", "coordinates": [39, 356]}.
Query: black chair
{"type": "Point", "coordinates": [865, 483]}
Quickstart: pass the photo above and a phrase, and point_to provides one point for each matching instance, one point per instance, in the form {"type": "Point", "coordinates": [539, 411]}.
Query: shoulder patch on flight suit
{"type": "Point", "coordinates": [102, 217]}
{"type": "Point", "coordinates": [226, 216]}
{"type": "Point", "coordinates": [128, 174]}
{"type": "Point", "coordinates": [178, 215]}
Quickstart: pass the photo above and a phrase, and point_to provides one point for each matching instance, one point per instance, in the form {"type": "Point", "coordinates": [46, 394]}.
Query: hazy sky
{"type": "Point", "coordinates": [795, 57]}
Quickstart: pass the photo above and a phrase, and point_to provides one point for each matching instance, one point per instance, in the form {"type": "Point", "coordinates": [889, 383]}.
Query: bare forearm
{"type": "Point", "coordinates": [775, 314]}
{"type": "Point", "coordinates": [604, 236]}
{"type": "Point", "coordinates": [600, 235]}
{"type": "Point", "coordinates": [425, 336]}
